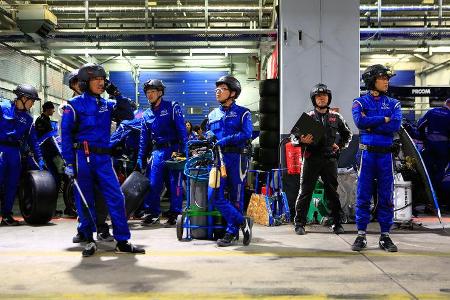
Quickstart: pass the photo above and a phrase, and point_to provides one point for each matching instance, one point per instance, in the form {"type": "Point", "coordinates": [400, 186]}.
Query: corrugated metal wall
{"type": "Point", "coordinates": [16, 69]}
{"type": "Point", "coordinates": [193, 90]}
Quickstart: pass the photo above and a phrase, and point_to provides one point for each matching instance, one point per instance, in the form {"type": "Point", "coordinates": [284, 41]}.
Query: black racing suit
{"type": "Point", "coordinates": [320, 160]}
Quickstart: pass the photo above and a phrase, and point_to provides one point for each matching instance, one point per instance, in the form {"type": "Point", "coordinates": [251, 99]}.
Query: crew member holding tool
{"type": "Point", "coordinates": [86, 126]}
{"type": "Point", "coordinates": [100, 205]}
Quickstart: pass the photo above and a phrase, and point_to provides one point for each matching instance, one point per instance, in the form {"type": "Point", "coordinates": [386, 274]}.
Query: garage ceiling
{"type": "Point", "coordinates": [177, 28]}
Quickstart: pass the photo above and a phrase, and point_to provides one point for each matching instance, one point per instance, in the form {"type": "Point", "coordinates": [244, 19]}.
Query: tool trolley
{"type": "Point", "coordinates": [199, 219]}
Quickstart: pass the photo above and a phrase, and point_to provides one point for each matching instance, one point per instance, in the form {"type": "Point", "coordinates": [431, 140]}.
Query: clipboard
{"type": "Point", "coordinates": [307, 125]}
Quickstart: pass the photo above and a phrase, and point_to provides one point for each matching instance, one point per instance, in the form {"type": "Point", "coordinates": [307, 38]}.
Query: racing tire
{"type": "Point", "coordinates": [37, 197]}
{"type": "Point", "coordinates": [269, 105]}
{"type": "Point", "coordinates": [135, 188]}
{"type": "Point", "coordinates": [68, 195]}
{"type": "Point", "coordinates": [269, 139]}
{"type": "Point", "coordinates": [269, 121]}
{"type": "Point", "coordinates": [269, 87]}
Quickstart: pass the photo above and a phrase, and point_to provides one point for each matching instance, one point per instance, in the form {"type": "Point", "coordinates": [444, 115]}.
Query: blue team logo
{"type": "Point", "coordinates": [22, 120]}
{"type": "Point", "coordinates": [385, 105]}
{"type": "Point", "coordinates": [164, 112]}
{"type": "Point", "coordinates": [103, 109]}
{"type": "Point", "coordinates": [232, 114]}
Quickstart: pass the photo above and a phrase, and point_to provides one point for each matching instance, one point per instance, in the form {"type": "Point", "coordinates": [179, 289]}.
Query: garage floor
{"type": "Point", "coordinates": [42, 262]}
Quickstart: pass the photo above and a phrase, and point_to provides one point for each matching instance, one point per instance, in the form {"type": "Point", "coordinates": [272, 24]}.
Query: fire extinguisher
{"type": "Point", "coordinates": [293, 158]}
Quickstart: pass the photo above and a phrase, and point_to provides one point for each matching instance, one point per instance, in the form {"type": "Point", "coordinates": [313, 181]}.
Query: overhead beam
{"type": "Point", "coordinates": [180, 31]}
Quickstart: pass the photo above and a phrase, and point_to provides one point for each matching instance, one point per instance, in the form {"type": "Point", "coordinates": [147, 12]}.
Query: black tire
{"type": "Point", "coordinates": [68, 195]}
{"type": "Point", "coordinates": [269, 139]}
{"type": "Point", "coordinates": [180, 227]}
{"type": "Point", "coordinates": [37, 197]}
{"type": "Point", "coordinates": [269, 122]}
{"type": "Point", "coordinates": [255, 153]}
{"type": "Point", "coordinates": [269, 87]}
{"type": "Point", "coordinates": [135, 188]}
{"type": "Point", "coordinates": [269, 105]}
{"type": "Point", "coordinates": [269, 156]}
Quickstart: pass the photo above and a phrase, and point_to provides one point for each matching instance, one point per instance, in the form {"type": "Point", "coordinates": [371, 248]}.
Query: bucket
{"type": "Point", "coordinates": [402, 201]}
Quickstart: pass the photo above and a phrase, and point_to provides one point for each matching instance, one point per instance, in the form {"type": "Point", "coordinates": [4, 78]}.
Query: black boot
{"type": "Point", "coordinates": [338, 229]}
{"type": "Point", "coordinates": [386, 243]}
{"type": "Point", "coordinates": [300, 230]}
{"type": "Point", "coordinates": [360, 243]}
{"type": "Point", "coordinates": [79, 238]}
{"type": "Point", "coordinates": [150, 220]}
{"type": "Point", "coordinates": [89, 249]}
{"type": "Point", "coordinates": [103, 233]}
{"type": "Point", "coordinates": [127, 247]}
{"type": "Point", "coordinates": [171, 219]}
{"type": "Point", "coordinates": [246, 228]}
{"type": "Point", "coordinates": [9, 221]}
{"type": "Point", "coordinates": [228, 240]}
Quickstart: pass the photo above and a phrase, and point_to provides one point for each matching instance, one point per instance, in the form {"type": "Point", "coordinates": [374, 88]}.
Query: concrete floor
{"type": "Point", "coordinates": [42, 262]}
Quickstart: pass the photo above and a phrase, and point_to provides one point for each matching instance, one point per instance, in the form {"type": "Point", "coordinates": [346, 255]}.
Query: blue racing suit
{"type": "Point", "coordinates": [233, 130]}
{"type": "Point", "coordinates": [434, 130]}
{"type": "Point", "coordinates": [376, 138]}
{"type": "Point", "coordinates": [16, 129]}
{"type": "Point", "coordinates": [47, 133]}
{"type": "Point", "coordinates": [87, 119]}
{"type": "Point", "coordinates": [125, 141]}
{"type": "Point", "coordinates": [162, 130]}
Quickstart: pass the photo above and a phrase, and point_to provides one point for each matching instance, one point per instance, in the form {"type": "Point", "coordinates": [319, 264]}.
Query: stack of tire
{"type": "Point", "coordinates": [269, 125]}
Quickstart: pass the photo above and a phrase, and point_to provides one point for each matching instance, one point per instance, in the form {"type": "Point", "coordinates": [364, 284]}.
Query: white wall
{"type": "Point", "coordinates": [328, 52]}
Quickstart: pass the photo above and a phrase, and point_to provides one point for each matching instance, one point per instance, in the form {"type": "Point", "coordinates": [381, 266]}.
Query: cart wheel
{"type": "Point", "coordinates": [180, 227]}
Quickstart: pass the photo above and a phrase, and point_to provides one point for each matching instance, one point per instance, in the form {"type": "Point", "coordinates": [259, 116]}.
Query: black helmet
{"type": "Point", "coordinates": [26, 90]}
{"type": "Point", "coordinates": [232, 83]}
{"type": "Point", "coordinates": [371, 73]}
{"type": "Point", "coordinates": [48, 105]}
{"type": "Point", "coordinates": [87, 72]}
{"type": "Point", "coordinates": [71, 77]}
{"type": "Point", "coordinates": [154, 84]}
{"type": "Point", "coordinates": [320, 88]}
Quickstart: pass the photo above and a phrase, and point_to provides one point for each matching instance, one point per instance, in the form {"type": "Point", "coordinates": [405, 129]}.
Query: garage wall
{"type": "Point", "coordinates": [194, 91]}
{"type": "Point", "coordinates": [17, 68]}
{"type": "Point", "coordinates": [327, 52]}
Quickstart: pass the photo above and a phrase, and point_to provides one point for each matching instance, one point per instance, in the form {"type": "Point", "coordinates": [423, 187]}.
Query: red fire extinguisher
{"type": "Point", "coordinates": [293, 158]}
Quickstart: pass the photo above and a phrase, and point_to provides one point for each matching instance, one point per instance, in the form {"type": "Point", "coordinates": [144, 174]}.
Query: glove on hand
{"type": "Point", "coordinates": [111, 89]}
{"type": "Point", "coordinates": [69, 171]}
{"type": "Point", "coordinates": [41, 164]}
{"type": "Point", "coordinates": [139, 164]}
{"type": "Point", "coordinates": [210, 136]}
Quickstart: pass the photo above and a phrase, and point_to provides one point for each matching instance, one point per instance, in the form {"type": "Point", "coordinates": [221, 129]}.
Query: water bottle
{"type": "Point", "coordinates": [214, 177]}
